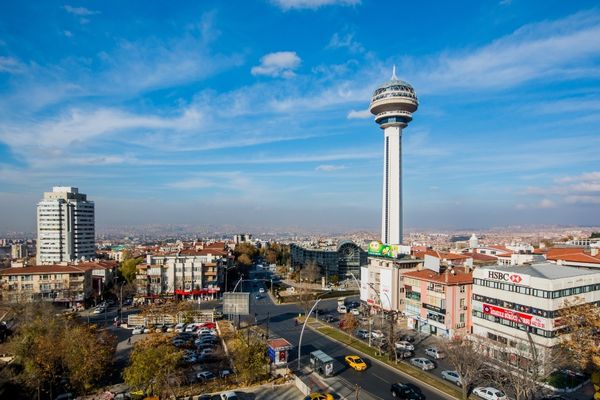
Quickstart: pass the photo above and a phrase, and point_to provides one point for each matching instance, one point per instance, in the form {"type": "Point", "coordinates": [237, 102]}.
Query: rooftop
{"type": "Point", "coordinates": [546, 271]}
{"type": "Point", "coordinates": [461, 276]}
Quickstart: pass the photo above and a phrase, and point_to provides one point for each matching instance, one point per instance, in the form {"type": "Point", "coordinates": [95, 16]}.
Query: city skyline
{"type": "Point", "coordinates": [198, 115]}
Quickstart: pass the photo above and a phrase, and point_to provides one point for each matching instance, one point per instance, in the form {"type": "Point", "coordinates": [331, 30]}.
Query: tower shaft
{"type": "Point", "coordinates": [391, 208]}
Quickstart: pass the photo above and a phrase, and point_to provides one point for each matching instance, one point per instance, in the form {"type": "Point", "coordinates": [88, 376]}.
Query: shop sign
{"type": "Point", "coordinates": [508, 277]}
{"type": "Point", "coordinates": [520, 318]}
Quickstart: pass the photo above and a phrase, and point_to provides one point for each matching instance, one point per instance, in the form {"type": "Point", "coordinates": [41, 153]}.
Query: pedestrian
{"type": "Point", "coordinates": [129, 340]}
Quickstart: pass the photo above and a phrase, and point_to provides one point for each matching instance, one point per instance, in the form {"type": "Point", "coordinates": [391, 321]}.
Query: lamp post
{"type": "Point", "coordinates": [304, 326]}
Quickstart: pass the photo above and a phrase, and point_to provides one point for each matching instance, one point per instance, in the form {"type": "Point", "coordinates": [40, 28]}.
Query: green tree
{"type": "Point", "coordinates": [250, 360]}
{"type": "Point", "coordinates": [128, 269]}
{"type": "Point", "coordinates": [153, 366]}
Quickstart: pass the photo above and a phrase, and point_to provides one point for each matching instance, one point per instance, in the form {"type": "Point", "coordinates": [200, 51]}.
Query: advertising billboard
{"type": "Point", "coordinates": [376, 248]}
{"type": "Point", "coordinates": [236, 303]}
{"type": "Point", "coordinates": [385, 288]}
{"type": "Point", "coordinates": [508, 277]}
{"type": "Point", "coordinates": [364, 284]}
{"type": "Point", "coordinates": [515, 316]}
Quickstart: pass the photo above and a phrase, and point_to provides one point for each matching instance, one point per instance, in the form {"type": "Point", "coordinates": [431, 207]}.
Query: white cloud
{"type": "Point", "coordinates": [550, 49]}
{"type": "Point", "coordinates": [11, 65]}
{"type": "Point", "coordinates": [312, 4]}
{"type": "Point", "coordinates": [583, 199]}
{"type": "Point", "coordinates": [278, 64]}
{"type": "Point", "coordinates": [547, 203]}
{"type": "Point", "coordinates": [338, 41]}
{"type": "Point", "coordinates": [80, 11]}
{"type": "Point", "coordinates": [329, 168]}
{"type": "Point", "coordinates": [360, 114]}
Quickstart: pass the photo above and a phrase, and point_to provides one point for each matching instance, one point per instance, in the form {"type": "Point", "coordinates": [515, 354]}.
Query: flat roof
{"type": "Point", "coordinates": [546, 270]}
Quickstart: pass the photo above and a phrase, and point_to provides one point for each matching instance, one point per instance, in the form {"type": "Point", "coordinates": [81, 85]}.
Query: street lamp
{"type": "Point", "coordinates": [304, 326]}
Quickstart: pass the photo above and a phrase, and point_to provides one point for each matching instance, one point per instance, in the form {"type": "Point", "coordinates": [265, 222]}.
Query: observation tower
{"type": "Point", "coordinates": [393, 104]}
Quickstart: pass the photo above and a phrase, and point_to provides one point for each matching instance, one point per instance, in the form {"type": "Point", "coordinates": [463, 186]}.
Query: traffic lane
{"type": "Point", "coordinates": [376, 380]}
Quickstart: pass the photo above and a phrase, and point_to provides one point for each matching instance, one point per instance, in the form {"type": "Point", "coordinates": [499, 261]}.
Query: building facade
{"type": "Point", "coordinates": [438, 302]}
{"type": "Point", "coordinates": [68, 285]}
{"type": "Point", "coordinates": [347, 258]}
{"type": "Point", "coordinates": [382, 282]}
{"type": "Point", "coordinates": [66, 226]}
{"type": "Point", "coordinates": [189, 274]}
{"type": "Point", "coordinates": [513, 307]}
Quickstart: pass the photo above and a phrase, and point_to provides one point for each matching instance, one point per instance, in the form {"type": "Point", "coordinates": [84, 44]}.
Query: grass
{"type": "Point", "coordinates": [563, 380]}
{"type": "Point", "coordinates": [405, 368]}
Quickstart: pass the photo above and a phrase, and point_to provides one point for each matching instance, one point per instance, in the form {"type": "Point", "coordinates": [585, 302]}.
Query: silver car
{"type": "Point", "coordinates": [422, 363]}
{"type": "Point", "coordinates": [452, 376]}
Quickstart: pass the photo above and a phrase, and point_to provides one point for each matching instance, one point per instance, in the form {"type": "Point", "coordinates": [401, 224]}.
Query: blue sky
{"type": "Point", "coordinates": [253, 113]}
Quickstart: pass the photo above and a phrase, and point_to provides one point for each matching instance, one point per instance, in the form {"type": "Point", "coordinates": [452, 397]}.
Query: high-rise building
{"type": "Point", "coordinates": [393, 104]}
{"type": "Point", "coordinates": [65, 221]}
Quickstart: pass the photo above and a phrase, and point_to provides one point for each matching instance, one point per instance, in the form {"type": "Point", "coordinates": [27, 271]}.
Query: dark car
{"type": "Point", "coordinates": [408, 338]}
{"type": "Point", "coordinates": [353, 304]}
{"type": "Point", "coordinates": [330, 318]}
{"type": "Point", "coordinates": [407, 391]}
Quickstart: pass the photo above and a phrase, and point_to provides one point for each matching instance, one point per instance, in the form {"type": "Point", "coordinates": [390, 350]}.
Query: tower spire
{"type": "Point", "coordinates": [394, 77]}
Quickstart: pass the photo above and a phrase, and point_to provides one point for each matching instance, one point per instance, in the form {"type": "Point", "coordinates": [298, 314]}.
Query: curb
{"type": "Point", "coordinates": [389, 367]}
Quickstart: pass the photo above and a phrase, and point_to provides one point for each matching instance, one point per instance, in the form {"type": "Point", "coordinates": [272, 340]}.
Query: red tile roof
{"type": "Point", "coordinates": [461, 276]}
{"type": "Point", "coordinates": [42, 269]}
{"type": "Point", "coordinates": [481, 257]}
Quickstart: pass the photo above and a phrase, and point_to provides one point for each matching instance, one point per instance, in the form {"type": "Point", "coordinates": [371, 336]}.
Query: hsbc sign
{"type": "Point", "coordinates": [508, 277]}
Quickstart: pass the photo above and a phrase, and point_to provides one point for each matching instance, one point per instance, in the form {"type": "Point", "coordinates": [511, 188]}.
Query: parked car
{"type": "Point", "coordinates": [330, 318]}
{"type": "Point", "coordinates": [178, 342]}
{"type": "Point", "coordinates": [99, 310]}
{"type": "Point", "coordinates": [408, 338]}
{"type": "Point", "coordinates": [354, 304]}
{"type": "Point", "coordinates": [138, 330]}
{"type": "Point", "coordinates": [258, 296]}
{"type": "Point", "coordinates": [422, 363]}
{"type": "Point", "coordinates": [170, 328]}
{"type": "Point", "coordinates": [261, 290]}
{"type": "Point", "coordinates": [209, 325]}
{"type": "Point", "coordinates": [207, 353]}
{"type": "Point", "coordinates": [489, 393]}
{"type": "Point", "coordinates": [406, 391]}
{"type": "Point", "coordinates": [362, 333]}
{"type": "Point", "coordinates": [377, 334]}
{"type": "Point", "coordinates": [225, 373]}
{"type": "Point", "coordinates": [190, 328]}
{"type": "Point", "coordinates": [452, 376]}
{"type": "Point", "coordinates": [404, 353]}
{"type": "Point", "coordinates": [434, 352]}
{"type": "Point", "coordinates": [404, 345]}
{"type": "Point", "coordinates": [205, 376]}
{"type": "Point", "coordinates": [190, 359]}
{"type": "Point", "coordinates": [180, 327]}
{"type": "Point", "coordinates": [229, 396]}
{"type": "Point", "coordinates": [147, 330]}
{"type": "Point", "coordinates": [355, 311]}
{"type": "Point", "coordinates": [204, 331]}
{"type": "Point", "coordinates": [342, 309]}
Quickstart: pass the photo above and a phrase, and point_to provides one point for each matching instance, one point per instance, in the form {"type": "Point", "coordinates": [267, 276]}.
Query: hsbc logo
{"type": "Point", "coordinates": [508, 277]}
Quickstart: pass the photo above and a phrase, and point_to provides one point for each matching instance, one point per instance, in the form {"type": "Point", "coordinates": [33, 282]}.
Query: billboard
{"type": "Point", "coordinates": [364, 284]}
{"type": "Point", "coordinates": [376, 248]}
{"type": "Point", "coordinates": [521, 318]}
{"type": "Point", "coordinates": [385, 288]}
{"type": "Point", "coordinates": [236, 303]}
{"type": "Point", "coordinates": [508, 277]}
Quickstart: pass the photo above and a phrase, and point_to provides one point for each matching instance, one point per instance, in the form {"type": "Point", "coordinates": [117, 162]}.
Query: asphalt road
{"type": "Point", "coordinates": [376, 380]}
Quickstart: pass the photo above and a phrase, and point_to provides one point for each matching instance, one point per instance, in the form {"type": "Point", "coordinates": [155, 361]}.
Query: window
{"type": "Point", "coordinates": [462, 288]}
{"type": "Point", "coordinates": [462, 317]}
{"type": "Point", "coordinates": [462, 303]}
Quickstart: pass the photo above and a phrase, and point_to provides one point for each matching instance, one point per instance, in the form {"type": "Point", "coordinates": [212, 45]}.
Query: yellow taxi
{"type": "Point", "coordinates": [319, 396]}
{"type": "Point", "coordinates": [356, 363]}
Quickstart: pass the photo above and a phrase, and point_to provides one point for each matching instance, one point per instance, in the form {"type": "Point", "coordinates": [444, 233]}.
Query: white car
{"type": "Point", "coordinates": [147, 330]}
{"type": "Point", "coordinates": [261, 290]}
{"type": "Point", "coordinates": [377, 334]}
{"type": "Point", "coordinates": [205, 376]}
{"type": "Point", "coordinates": [98, 310]}
{"type": "Point", "coordinates": [355, 311]}
{"type": "Point", "coordinates": [190, 328]}
{"type": "Point", "coordinates": [138, 330]}
{"type": "Point", "coordinates": [434, 352]}
{"type": "Point", "coordinates": [229, 396]}
{"type": "Point", "coordinates": [404, 345]}
{"type": "Point", "coordinates": [489, 393]}
{"type": "Point", "coordinates": [452, 376]}
{"type": "Point", "coordinates": [342, 309]}
{"type": "Point", "coordinates": [206, 331]}
{"type": "Point", "coordinates": [179, 327]}
{"type": "Point", "coordinates": [225, 373]}
{"type": "Point", "coordinates": [422, 363]}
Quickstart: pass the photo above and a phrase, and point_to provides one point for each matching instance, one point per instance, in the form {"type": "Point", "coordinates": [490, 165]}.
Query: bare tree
{"type": "Point", "coordinates": [466, 356]}
{"type": "Point", "coordinates": [348, 324]}
{"type": "Point", "coordinates": [310, 271]}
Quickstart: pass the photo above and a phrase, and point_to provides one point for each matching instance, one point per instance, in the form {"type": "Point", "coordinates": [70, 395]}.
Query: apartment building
{"type": "Point", "coordinates": [65, 224]}
{"type": "Point", "coordinates": [187, 274]}
{"type": "Point", "coordinates": [67, 285]}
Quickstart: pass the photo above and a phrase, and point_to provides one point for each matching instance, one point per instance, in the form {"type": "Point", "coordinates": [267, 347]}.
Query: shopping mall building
{"type": "Point", "coordinates": [515, 306]}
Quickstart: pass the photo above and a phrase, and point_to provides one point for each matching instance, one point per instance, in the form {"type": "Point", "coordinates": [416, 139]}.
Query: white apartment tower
{"type": "Point", "coordinates": [393, 104]}
{"type": "Point", "coordinates": [65, 222]}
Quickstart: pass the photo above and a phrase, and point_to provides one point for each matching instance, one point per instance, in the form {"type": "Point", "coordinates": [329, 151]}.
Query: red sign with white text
{"type": "Point", "coordinates": [525, 319]}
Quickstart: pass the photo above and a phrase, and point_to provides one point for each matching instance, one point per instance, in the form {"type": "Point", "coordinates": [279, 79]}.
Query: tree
{"type": "Point", "coordinates": [581, 322]}
{"type": "Point", "coordinates": [467, 358]}
{"type": "Point", "coordinates": [245, 260]}
{"type": "Point", "coordinates": [250, 360]}
{"type": "Point", "coordinates": [128, 269]}
{"type": "Point", "coordinates": [310, 271]}
{"type": "Point", "coordinates": [153, 366]}
{"type": "Point", "coordinates": [348, 324]}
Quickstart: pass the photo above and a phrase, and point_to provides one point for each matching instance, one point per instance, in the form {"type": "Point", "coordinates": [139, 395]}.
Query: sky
{"type": "Point", "coordinates": [254, 113]}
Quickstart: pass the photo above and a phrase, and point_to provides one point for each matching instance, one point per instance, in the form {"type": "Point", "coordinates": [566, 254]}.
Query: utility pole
{"type": "Point", "coordinates": [357, 391]}
{"type": "Point", "coordinates": [268, 318]}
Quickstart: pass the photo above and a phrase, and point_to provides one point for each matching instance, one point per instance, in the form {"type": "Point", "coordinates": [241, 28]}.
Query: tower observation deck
{"type": "Point", "coordinates": [393, 104]}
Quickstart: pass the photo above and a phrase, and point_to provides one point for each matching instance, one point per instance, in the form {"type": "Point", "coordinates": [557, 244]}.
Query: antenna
{"type": "Point", "coordinates": [394, 77]}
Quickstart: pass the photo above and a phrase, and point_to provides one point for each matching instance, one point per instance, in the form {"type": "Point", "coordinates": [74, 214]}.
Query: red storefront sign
{"type": "Point", "coordinates": [195, 292]}
{"type": "Point", "coordinates": [514, 316]}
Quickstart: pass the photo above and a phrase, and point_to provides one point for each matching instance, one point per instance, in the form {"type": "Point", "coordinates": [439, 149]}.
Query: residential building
{"type": "Point", "coordinates": [575, 256]}
{"type": "Point", "coordinates": [65, 223]}
{"type": "Point", "coordinates": [346, 258]}
{"type": "Point", "coordinates": [19, 250]}
{"type": "Point", "coordinates": [188, 274]}
{"type": "Point", "coordinates": [68, 285]}
{"type": "Point", "coordinates": [515, 306]}
{"type": "Point", "coordinates": [242, 238]}
{"type": "Point", "coordinates": [438, 300]}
